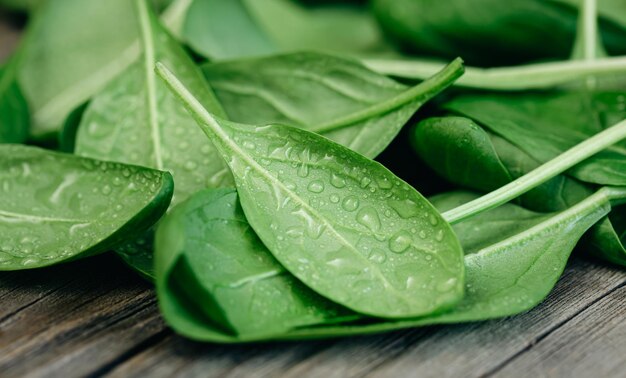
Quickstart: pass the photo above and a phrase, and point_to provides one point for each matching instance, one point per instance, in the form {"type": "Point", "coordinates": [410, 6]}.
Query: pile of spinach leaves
{"type": "Point", "coordinates": [224, 149]}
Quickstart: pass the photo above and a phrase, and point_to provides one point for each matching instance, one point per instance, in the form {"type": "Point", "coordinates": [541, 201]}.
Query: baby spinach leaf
{"type": "Point", "coordinates": [207, 252]}
{"type": "Point", "coordinates": [507, 273]}
{"type": "Point", "coordinates": [136, 120]}
{"type": "Point", "coordinates": [227, 29]}
{"type": "Point", "coordinates": [490, 32]}
{"type": "Point", "coordinates": [342, 224]}
{"type": "Point", "coordinates": [58, 207]}
{"type": "Point", "coordinates": [319, 92]}
{"type": "Point", "coordinates": [546, 124]}
{"type": "Point", "coordinates": [459, 150]}
{"type": "Point", "coordinates": [14, 116]}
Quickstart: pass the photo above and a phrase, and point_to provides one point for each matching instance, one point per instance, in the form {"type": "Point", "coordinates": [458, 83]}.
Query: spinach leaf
{"type": "Point", "coordinates": [545, 124]}
{"type": "Point", "coordinates": [496, 287]}
{"type": "Point", "coordinates": [136, 120]}
{"type": "Point", "coordinates": [73, 53]}
{"type": "Point", "coordinates": [342, 224]}
{"type": "Point", "coordinates": [490, 32]}
{"type": "Point", "coordinates": [207, 254]}
{"type": "Point", "coordinates": [58, 207]}
{"type": "Point", "coordinates": [322, 93]}
{"type": "Point", "coordinates": [459, 150]}
{"type": "Point", "coordinates": [227, 29]}
{"type": "Point", "coordinates": [14, 116]}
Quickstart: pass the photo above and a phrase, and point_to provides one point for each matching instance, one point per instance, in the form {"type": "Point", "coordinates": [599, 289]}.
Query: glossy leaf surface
{"type": "Point", "coordinates": [507, 273]}
{"type": "Point", "coordinates": [342, 224]}
{"type": "Point", "coordinates": [545, 124]}
{"type": "Point", "coordinates": [207, 253]}
{"type": "Point", "coordinates": [460, 151]}
{"type": "Point", "coordinates": [315, 92]}
{"type": "Point", "coordinates": [57, 207]}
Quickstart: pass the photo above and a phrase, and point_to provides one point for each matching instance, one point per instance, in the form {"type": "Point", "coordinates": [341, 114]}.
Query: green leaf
{"type": "Point", "coordinates": [136, 120]}
{"type": "Point", "coordinates": [208, 256]}
{"type": "Point", "coordinates": [322, 93]}
{"type": "Point", "coordinates": [70, 57]}
{"type": "Point", "coordinates": [14, 116]}
{"type": "Point", "coordinates": [227, 29]}
{"type": "Point", "coordinates": [58, 207]}
{"type": "Point", "coordinates": [546, 124]}
{"type": "Point", "coordinates": [507, 273]}
{"type": "Point", "coordinates": [342, 224]}
{"type": "Point", "coordinates": [459, 150]}
{"type": "Point", "coordinates": [489, 32]}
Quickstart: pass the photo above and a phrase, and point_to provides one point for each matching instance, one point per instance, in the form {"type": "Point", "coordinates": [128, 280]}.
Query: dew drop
{"type": "Point", "coordinates": [368, 217]}
{"type": "Point", "coordinates": [303, 171]}
{"type": "Point", "coordinates": [191, 165]}
{"type": "Point", "coordinates": [400, 242]}
{"type": "Point", "coordinates": [106, 190]}
{"type": "Point", "coordinates": [334, 198]}
{"type": "Point", "coordinates": [433, 220]}
{"type": "Point", "coordinates": [337, 181]}
{"type": "Point", "coordinates": [365, 181]}
{"type": "Point", "coordinates": [405, 209]}
{"type": "Point", "coordinates": [249, 145]}
{"type": "Point", "coordinates": [350, 203]}
{"type": "Point", "coordinates": [447, 285]}
{"type": "Point", "coordinates": [316, 186]}
{"type": "Point", "coordinates": [422, 234]}
{"type": "Point", "coordinates": [439, 235]}
{"type": "Point", "coordinates": [377, 256]}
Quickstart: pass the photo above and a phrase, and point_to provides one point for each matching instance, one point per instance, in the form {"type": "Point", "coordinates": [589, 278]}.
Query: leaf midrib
{"type": "Point", "coordinates": [38, 218]}
{"type": "Point", "coordinates": [147, 38]}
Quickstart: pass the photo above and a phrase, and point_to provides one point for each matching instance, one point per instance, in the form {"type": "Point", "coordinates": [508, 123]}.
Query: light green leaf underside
{"type": "Point", "coordinates": [57, 207]}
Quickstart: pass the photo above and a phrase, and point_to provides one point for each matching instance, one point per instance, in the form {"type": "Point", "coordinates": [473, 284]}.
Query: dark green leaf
{"type": "Point", "coordinates": [14, 116]}
{"type": "Point", "coordinates": [460, 151]}
{"type": "Point", "coordinates": [490, 32]}
{"type": "Point", "coordinates": [546, 124]}
{"type": "Point", "coordinates": [207, 253]}
{"type": "Point", "coordinates": [57, 207]}
{"type": "Point", "coordinates": [314, 91]}
{"type": "Point", "coordinates": [342, 224]}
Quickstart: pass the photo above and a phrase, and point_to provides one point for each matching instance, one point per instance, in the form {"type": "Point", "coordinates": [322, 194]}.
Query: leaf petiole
{"type": "Point", "coordinates": [543, 173]}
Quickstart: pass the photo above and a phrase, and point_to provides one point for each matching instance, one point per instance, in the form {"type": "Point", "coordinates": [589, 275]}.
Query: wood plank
{"type": "Point", "coordinates": [463, 350]}
{"type": "Point", "coordinates": [74, 319]}
{"type": "Point", "coordinates": [591, 345]}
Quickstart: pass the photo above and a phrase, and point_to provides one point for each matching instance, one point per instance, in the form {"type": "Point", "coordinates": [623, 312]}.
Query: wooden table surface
{"type": "Point", "coordinates": [96, 317]}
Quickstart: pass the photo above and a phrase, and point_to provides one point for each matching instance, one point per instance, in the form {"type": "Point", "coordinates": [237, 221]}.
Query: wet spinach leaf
{"type": "Point", "coordinates": [545, 124]}
{"type": "Point", "coordinates": [207, 255]}
{"type": "Point", "coordinates": [342, 224]}
{"type": "Point", "coordinates": [58, 207]}
{"type": "Point", "coordinates": [227, 29]}
{"type": "Point", "coordinates": [507, 273]}
{"type": "Point", "coordinates": [335, 97]}
{"type": "Point", "coordinates": [136, 120]}
{"type": "Point", "coordinates": [460, 150]}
